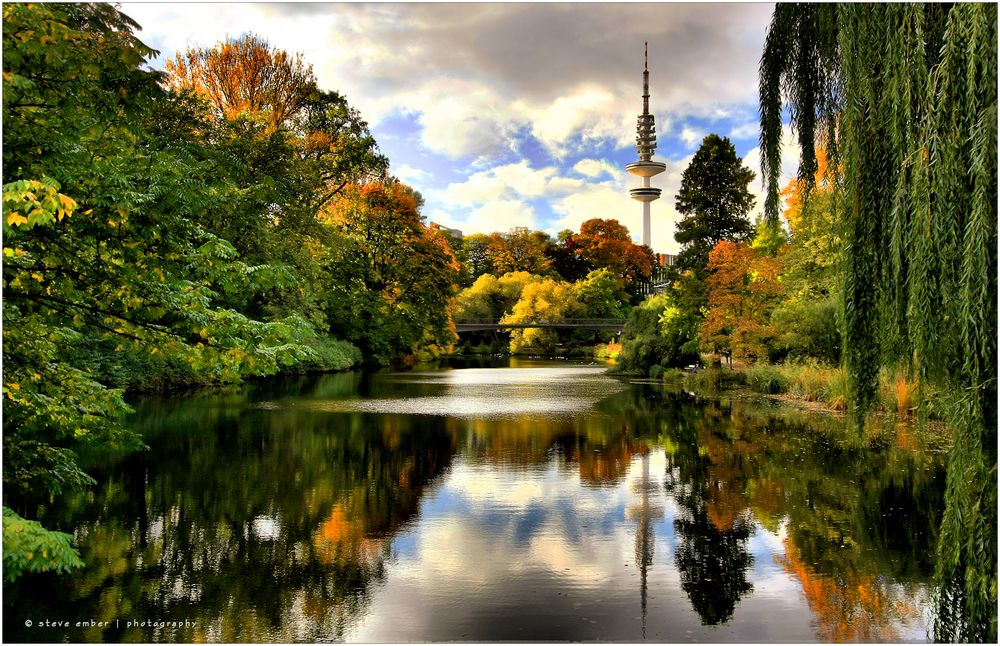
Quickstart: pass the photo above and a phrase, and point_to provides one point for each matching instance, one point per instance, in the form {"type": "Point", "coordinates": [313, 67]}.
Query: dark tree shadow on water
{"type": "Point", "coordinates": [713, 563]}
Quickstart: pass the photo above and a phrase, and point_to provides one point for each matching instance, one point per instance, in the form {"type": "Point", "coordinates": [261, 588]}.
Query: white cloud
{"type": "Point", "coordinates": [594, 168]}
{"type": "Point", "coordinates": [692, 137]}
{"type": "Point", "coordinates": [473, 74]}
{"type": "Point", "coordinates": [496, 215]}
{"type": "Point", "coordinates": [411, 175]}
{"type": "Point", "coordinates": [462, 119]}
{"type": "Point", "coordinates": [503, 215]}
{"type": "Point", "coordinates": [509, 180]}
{"type": "Point", "coordinates": [747, 130]}
{"type": "Point", "coordinates": [584, 111]}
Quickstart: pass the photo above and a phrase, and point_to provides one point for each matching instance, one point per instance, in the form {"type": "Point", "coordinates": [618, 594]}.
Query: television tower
{"type": "Point", "coordinates": [645, 145]}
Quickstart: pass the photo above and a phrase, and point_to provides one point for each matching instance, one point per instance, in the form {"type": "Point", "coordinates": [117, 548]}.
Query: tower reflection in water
{"type": "Point", "coordinates": [643, 513]}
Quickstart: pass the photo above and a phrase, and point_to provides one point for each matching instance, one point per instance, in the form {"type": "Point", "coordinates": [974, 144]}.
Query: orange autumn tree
{"type": "Point", "coordinates": [607, 244]}
{"type": "Point", "coordinates": [394, 277]}
{"type": "Point", "coordinates": [245, 77]}
{"type": "Point", "coordinates": [795, 192]}
{"type": "Point", "coordinates": [743, 288]}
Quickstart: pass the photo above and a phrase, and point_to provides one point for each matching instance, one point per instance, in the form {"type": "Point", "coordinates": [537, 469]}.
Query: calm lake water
{"type": "Point", "coordinates": [538, 501]}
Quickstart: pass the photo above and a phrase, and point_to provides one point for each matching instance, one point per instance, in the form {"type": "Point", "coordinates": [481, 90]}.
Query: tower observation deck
{"type": "Point", "coordinates": [645, 146]}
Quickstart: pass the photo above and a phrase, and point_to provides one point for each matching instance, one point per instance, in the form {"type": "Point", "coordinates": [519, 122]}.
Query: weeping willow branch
{"type": "Point", "coordinates": [904, 97]}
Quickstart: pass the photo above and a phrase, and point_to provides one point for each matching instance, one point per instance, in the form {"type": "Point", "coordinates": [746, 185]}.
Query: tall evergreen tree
{"type": "Point", "coordinates": [905, 99]}
{"type": "Point", "coordinates": [714, 201]}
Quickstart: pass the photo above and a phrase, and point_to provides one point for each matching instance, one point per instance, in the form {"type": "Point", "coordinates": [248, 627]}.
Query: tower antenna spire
{"type": "Point", "coordinates": [645, 80]}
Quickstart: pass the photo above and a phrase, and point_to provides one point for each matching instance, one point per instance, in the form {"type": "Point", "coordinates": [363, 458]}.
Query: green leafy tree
{"type": "Point", "coordinates": [101, 204]}
{"type": "Point", "coordinates": [602, 295]}
{"type": "Point", "coordinates": [905, 99]}
{"type": "Point", "coordinates": [289, 148]}
{"type": "Point", "coordinates": [659, 332]}
{"type": "Point", "coordinates": [393, 285]}
{"type": "Point", "coordinates": [808, 316]}
{"type": "Point", "coordinates": [714, 201]}
{"type": "Point", "coordinates": [29, 547]}
{"type": "Point", "coordinates": [476, 257]}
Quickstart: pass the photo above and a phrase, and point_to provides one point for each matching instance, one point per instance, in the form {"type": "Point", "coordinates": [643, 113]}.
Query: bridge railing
{"type": "Point", "coordinates": [473, 324]}
{"type": "Point", "coordinates": [470, 321]}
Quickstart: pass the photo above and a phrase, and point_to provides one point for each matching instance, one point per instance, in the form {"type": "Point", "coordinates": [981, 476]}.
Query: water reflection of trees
{"type": "Point", "coordinates": [852, 606]}
{"type": "Point", "coordinates": [275, 527]}
{"type": "Point", "coordinates": [599, 449]}
{"type": "Point", "coordinates": [712, 526]}
{"type": "Point", "coordinates": [858, 515]}
{"type": "Point", "coordinates": [256, 526]}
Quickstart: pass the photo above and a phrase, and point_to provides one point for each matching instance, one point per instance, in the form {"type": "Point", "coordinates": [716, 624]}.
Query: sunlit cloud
{"type": "Point", "coordinates": [410, 175]}
{"type": "Point", "coordinates": [498, 215]}
{"type": "Point", "coordinates": [595, 168]}
{"type": "Point", "coordinates": [583, 112]}
{"type": "Point", "coordinates": [748, 130]}
{"type": "Point", "coordinates": [692, 137]}
{"type": "Point", "coordinates": [510, 180]}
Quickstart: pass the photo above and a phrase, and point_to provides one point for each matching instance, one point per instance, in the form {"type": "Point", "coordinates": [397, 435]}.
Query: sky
{"type": "Point", "coordinates": [516, 114]}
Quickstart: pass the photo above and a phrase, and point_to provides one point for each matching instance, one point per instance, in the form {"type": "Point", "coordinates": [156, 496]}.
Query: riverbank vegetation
{"type": "Point", "coordinates": [221, 220]}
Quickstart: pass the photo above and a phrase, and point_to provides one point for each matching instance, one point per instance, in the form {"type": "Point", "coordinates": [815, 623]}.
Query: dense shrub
{"type": "Point", "coordinates": [329, 355]}
{"type": "Point", "coordinates": [767, 379]}
{"type": "Point", "coordinates": [652, 336]}
{"type": "Point", "coordinates": [811, 330]}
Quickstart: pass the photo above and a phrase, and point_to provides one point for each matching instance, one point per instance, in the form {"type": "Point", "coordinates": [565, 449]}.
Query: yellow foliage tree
{"type": "Point", "coordinates": [491, 297]}
{"type": "Point", "coordinates": [544, 301]}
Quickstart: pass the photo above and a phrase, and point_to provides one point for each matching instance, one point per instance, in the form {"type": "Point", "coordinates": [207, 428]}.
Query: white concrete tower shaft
{"type": "Point", "coordinates": [645, 146]}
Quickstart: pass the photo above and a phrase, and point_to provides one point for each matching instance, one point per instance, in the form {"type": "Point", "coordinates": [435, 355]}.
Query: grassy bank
{"type": "Point", "coordinates": [814, 384]}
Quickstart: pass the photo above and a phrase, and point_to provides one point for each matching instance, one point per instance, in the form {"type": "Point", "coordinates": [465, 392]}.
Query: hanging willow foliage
{"type": "Point", "coordinates": [904, 97]}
